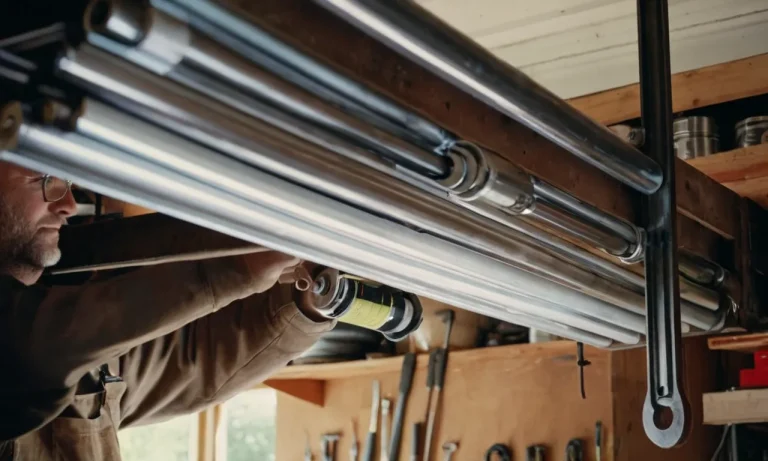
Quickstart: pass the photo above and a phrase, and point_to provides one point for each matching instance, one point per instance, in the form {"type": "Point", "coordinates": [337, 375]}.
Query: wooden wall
{"type": "Point", "coordinates": [518, 396]}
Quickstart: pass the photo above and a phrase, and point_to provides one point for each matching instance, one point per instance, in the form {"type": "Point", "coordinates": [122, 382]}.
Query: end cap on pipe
{"type": "Point", "coordinates": [124, 21]}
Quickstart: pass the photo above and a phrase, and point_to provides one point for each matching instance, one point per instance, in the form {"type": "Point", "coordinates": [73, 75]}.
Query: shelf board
{"type": "Point", "coordinates": [741, 342]}
{"type": "Point", "coordinates": [357, 368]}
{"type": "Point", "coordinates": [736, 407]}
{"type": "Point", "coordinates": [744, 171]}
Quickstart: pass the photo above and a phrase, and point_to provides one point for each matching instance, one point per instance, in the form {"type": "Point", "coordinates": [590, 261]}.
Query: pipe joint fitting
{"type": "Point", "coordinates": [636, 252]}
{"type": "Point", "coordinates": [502, 185]}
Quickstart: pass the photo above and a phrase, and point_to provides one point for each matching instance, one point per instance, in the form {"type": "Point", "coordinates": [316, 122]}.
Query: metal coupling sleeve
{"type": "Point", "coordinates": [491, 179]}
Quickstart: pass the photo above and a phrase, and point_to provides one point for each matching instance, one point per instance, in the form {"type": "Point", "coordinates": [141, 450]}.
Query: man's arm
{"type": "Point", "coordinates": [210, 360]}
{"type": "Point", "coordinates": [50, 337]}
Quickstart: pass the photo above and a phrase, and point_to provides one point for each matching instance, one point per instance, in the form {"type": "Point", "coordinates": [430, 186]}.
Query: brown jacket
{"type": "Point", "coordinates": [181, 337]}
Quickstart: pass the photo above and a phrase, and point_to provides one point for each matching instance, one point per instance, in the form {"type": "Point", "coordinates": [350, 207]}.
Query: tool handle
{"type": "Point", "coordinates": [397, 428]}
{"type": "Point", "coordinates": [599, 434]}
{"type": "Point", "coordinates": [441, 360]}
{"type": "Point", "coordinates": [414, 442]}
{"type": "Point", "coordinates": [431, 369]}
{"type": "Point", "coordinates": [406, 373]}
{"type": "Point", "coordinates": [370, 446]}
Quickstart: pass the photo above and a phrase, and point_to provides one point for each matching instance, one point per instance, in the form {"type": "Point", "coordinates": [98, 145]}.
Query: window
{"type": "Point", "coordinates": [167, 441]}
{"type": "Point", "coordinates": [242, 429]}
{"type": "Point", "coordinates": [250, 426]}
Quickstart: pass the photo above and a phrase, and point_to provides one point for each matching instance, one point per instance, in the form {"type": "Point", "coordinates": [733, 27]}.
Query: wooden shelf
{"type": "Point", "coordinates": [744, 171]}
{"type": "Point", "coordinates": [736, 407]}
{"type": "Point", "coordinates": [741, 342]}
{"type": "Point", "coordinates": [457, 359]}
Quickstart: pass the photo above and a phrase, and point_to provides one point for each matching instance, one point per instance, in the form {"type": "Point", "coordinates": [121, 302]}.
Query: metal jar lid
{"type": "Point", "coordinates": [695, 126]}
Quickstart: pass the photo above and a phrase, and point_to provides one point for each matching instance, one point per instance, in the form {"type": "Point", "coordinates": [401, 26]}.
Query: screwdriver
{"type": "Point", "coordinates": [370, 441]}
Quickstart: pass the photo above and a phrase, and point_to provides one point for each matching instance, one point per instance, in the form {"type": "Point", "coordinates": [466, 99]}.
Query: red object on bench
{"type": "Point", "coordinates": [758, 376]}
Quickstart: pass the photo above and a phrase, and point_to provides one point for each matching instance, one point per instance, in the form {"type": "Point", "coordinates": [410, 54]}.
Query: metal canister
{"type": "Point", "coordinates": [752, 131]}
{"type": "Point", "coordinates": [695, 136]}
{"type": "Point", "coordinates": [350, 300]}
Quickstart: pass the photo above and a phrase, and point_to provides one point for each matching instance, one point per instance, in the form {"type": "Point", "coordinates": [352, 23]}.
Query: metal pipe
{"type": "Point", "coordinates": [569, 225]}
{"type": "Point", "coordinates": [618, 227]}
{"type": "Point", "coordinates": [665, 393]}
{"type": "Point", "coordinates": [306, 164]}
{"type": "Point", "coordinates": [110, 126]}
{"type": "Point", "coordinates": [191, 50]}
{"type": "Point", "coordinates": [227, 26]}
{"type": "Point", "coordinates": [268, 223]}
{"type": "Point", "coordinates": [414, 32]}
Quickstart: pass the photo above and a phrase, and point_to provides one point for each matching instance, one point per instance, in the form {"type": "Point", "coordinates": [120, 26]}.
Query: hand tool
{"type": "Point", "coordinates": [535, 453]}
{"type": "Point", "coordinates": [449, 448]}
{"type": "Point", "coordinates": [574, 451]}
{"type": "Point", "coordinates": [581, 362]}
{"type": "Point", "coordinates": [308, 449]}
{"type": "Point", "coordinates": [370, 441]}
{"type": "Point", "coordinates": [385, 403]}
{"type": "Point", "coordinates": [406, 379]}
{"type": "Point", "coordinates": [441, 360]}
{"type": "Point", "coordinates": [329, 446]}
{"type": "Point", "coordinates": [599, 441]}
{"type": "Point", "coordinates": [415, 442]}
{"type": "Point", "coordinates": [353, 449]}
{"type": "Point", "coordinates": [505, 454]}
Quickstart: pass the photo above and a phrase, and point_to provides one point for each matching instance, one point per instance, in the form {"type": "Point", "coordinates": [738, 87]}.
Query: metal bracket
{"type": "Point", "coordinates": [665, 412]}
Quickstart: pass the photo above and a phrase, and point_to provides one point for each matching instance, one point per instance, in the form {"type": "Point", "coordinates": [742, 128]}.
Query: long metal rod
{"type": "Point", "coordinates": [124, 176]}
{"type": "Point", "coordinates": [228, 26]}
{"type": "Point", "coordinates": [348, 180]}
{"type": "Point", "coordinates": [414, 32]}
{"type": "Point", "coordinates": [618, 227]}
{"type": "Point", "coordinates": [112, 127]}
{"type": "Point", "coordinates": [566, 223]}
{"type": "Point", "coordinates": [192, 50]}
{"type": "Point", "coordinates": [665, 412]}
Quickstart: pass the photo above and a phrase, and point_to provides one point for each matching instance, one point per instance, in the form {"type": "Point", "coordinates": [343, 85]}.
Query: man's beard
{"type": "Point", "coordinates": [23, 246]}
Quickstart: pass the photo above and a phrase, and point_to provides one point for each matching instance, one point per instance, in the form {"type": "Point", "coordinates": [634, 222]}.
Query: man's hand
{"type": "Point", "coordinates": [266, 267]}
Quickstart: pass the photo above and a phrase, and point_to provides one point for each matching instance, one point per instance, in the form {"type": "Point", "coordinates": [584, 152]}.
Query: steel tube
{"type": "Point", "coordinates": [98, 166]}
{"type": "Point", "coordinates": [618, 227]}
{"type": "Point", "coordinates": [192, 50]}
{"type": "Point", "coordinates": [569, 225]}
{"type": "Point", "coordinates": [228, 27]}
{"type": "Point", "coordinates": [665, 392]}
{"type": "Point", "coordinates": [330, 174]}
{"type": "Point", "coordinates": [110, 126]}
{"type": "Point", "coordinates": [414, 32]}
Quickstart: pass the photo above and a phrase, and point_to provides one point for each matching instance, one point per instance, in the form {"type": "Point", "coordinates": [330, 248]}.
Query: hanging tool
{"type": "Point", "coordinates": [415, 441]}
{"type": "Point", "coordinates": [385, 403]}
{"type": "Point", "coordinates": [449, 448]}
{"type": "Point", "coordinates": [574, 451]}
{"type": "Point", "coordinates": [535, 453]}
{"type": "Point", "coordinates": [406, 379]}
{"type": "Point", "coordinates": [370, 441]}
{"type": "Point", "coordinates": [344, 297]}
{"type": "Point", "coordinates": [353, 449]}
{"type": "Point", "coordinates": [328, 446]}
{"type": "Point", "coordinates": [581, 362]}
{"type": "Point", "coordinates": [503, 452]}
{"type": "Point", "coordinates": [439, 365]}
{"type": "Point", "coordinates": [307, 449]}
{"type": "Point", "coordinates": [599, 441]}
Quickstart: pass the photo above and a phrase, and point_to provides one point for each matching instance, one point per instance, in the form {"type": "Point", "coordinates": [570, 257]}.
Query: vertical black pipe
{"type": "Point", "coordinates": [665, 411]}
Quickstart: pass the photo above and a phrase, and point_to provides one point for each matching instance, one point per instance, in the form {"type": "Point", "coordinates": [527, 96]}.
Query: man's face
{"type": "Point", "coordinates": [29, 226]}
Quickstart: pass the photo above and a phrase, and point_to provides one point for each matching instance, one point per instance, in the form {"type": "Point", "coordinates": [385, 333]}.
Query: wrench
{"type": "Point", "coordinates": [449, 448]}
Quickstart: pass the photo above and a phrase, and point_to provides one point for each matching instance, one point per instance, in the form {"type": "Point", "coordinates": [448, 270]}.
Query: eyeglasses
{"type": "Point", "coordinates": [55, 189]}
